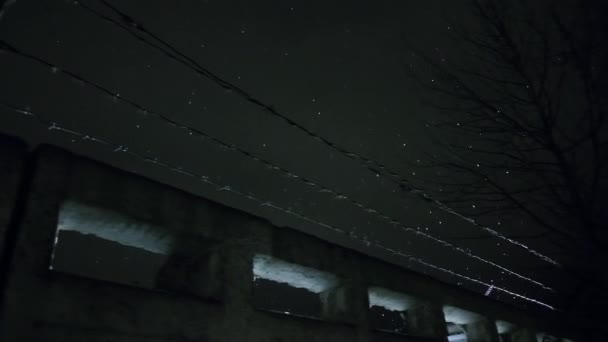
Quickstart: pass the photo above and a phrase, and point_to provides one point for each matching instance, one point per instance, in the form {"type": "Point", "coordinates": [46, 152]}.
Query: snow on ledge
{"type": "Point", "coordinates": [269, 268]}
{"type": "Point", "coordinates": [113, 226]}
{"type": "Point", "coordinates": [390, 300]}
{"type": "Point", "coordinates": [462, 337]}
{"type": "Point", "coordinates": [504, 327]}
{"type": "Point", "coordinates": [459, 316]}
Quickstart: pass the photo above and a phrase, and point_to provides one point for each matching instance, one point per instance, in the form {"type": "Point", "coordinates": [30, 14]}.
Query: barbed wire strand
{"type": "Point", "coordinates": [368, 163]}
{"type": "Point", "coordinates": [321, 188]}
{"type": "Point", "coordinates": [54, 126]}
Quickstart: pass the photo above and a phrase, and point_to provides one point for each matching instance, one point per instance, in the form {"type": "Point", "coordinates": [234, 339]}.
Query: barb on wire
{"type": "Point", "coordinates": [121, 148]}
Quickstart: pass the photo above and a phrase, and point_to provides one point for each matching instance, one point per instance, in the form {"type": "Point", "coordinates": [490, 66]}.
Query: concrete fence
{"type": "Point", "coordinates": [93, 253]}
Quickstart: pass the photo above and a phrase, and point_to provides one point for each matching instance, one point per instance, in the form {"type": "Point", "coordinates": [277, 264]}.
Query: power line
{"type": "Point", "coordinates": [122, 148]}
{"type": "Point", "coordinates": [128, 24]}
{"type": "Point", "coordinates": [321, 188]}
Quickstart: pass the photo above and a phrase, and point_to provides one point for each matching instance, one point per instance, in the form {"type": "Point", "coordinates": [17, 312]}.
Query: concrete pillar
{"type": "Point", "coordinates": [426, 319]}
{"type": "Point", "coordinates": [26, 298]}
{"type": "Point", "coordinates": [483, 330]}
{"type": "Point", "coordinates": [522, 335]}
{"type": "Point", "coordinates": [337, 303]}
{"type": "Point", "coordinates": [353, 288]}
{"type": "Point", "coordinates": [194, 266]}
{"type": "Point", "coordinates": [12, 159]}
{"type": "Point", "coordinates": [361, 308]}
{"type": "Point", "coordinates": [345, 303]}
{"type": "Point", "coordinates": [244, 240]}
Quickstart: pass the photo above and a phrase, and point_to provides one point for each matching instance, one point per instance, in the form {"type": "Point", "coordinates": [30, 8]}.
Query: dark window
{"type": "Point", "coordinates": [283, 298]}
{"type": "Point", "coordinates": [106, 245]}
{"type": "Point", "coordinates": [388, 310]}
{"type": "Point", "coordinates": [388, 320]}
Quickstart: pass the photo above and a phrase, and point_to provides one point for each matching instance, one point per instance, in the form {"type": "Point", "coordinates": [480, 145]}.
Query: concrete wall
{"type": "Point", "coordinates": [12, 159]}
{"type": "Point", "coordinates": [40, 304]}
{"type": "Point", "coordinates": [13, 155]}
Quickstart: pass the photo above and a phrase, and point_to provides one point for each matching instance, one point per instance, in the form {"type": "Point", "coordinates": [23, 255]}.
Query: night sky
{"type": "Point", "coordinates": [336, 69]}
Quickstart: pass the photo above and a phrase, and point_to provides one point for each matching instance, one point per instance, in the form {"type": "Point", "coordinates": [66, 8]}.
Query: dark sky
{"type": "Point", "coordinates": [337, 69]}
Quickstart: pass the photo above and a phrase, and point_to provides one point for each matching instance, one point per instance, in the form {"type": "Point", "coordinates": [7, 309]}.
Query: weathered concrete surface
{"type": "Point", "coordinates": [12, 159]}
{"type": "Point", "coordinates": [44, 305]}
{"type": "Point", "coordinates": [482, 331]}
{"type": "Point", "coordinates": [523, 335]}
{"type": "Point", "coordinates": [426, 319]}
{"type": "Point", "coordinates": [51, 306]}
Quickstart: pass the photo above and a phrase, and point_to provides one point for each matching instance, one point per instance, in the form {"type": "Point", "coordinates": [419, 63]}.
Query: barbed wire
{"type": "Point", "coordinates": [232, 147]}
{"type": "Point", "coordinates": [123, 148]}
{"type": "Point", "coordinates": [129, 23]}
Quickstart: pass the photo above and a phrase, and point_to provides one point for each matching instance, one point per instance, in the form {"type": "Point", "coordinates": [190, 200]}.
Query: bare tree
{"type": "Point", "coordinates": [522, 121]}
